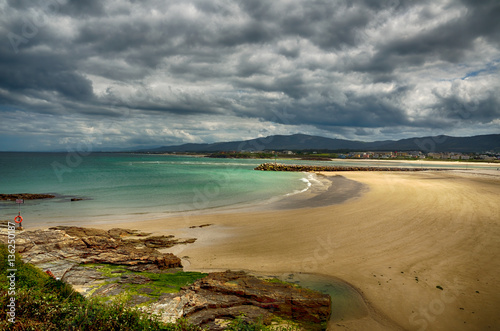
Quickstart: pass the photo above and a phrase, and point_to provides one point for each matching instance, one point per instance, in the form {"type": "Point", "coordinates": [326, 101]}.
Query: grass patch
{"type": "Point", "coordinates": [171, 283]}
{"type": "Point", "coordinates": [161, 283]}
{"type": "Point", "coordinates": [108, 270]}
{"type": "Point", "coordinates": [166, 282]}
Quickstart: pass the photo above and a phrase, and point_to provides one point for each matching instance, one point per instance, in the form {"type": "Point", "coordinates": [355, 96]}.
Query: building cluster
{"type": "Point", "coordinates": [421, 155]}
{"type": "Point", "coordinates": [451, 156]}
{"type": "Point", "coordinates": [383, 155]}
{"type": "Point", "coordinates": [488, 156]}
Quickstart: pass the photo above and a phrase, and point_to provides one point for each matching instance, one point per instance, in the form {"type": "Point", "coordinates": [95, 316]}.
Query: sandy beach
{"type": "Point", "coordinates": [421, 248]}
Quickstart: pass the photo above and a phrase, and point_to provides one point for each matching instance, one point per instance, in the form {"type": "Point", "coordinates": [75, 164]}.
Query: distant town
{"type": "Point", "coordinates": [388, 155]}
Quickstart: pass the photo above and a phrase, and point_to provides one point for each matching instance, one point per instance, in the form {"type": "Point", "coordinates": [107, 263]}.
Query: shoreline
{"type": "Point", "coordinates": [321, 191]}
{"type": "Point", "coordinates": [404, 236]}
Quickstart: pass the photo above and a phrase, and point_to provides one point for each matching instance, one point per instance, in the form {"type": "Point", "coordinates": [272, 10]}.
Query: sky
{"type": "Point", "coordinates": [127, 73]}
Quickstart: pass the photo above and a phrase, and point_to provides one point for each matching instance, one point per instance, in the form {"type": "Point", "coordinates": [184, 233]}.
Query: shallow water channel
{"type": "Point", "coordinates": [347, 302]}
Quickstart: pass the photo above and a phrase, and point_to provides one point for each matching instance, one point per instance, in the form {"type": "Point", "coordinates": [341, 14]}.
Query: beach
{"type": "Point", "coordinates": [421, 248]}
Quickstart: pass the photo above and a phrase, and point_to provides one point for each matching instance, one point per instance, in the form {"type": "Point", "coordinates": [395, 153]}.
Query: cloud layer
{"type": "Point", "coordinates": [162, 72]}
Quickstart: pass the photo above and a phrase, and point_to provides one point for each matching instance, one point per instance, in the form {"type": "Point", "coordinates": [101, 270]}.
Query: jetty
{"type": "Point", "coordinates": [313, 168]}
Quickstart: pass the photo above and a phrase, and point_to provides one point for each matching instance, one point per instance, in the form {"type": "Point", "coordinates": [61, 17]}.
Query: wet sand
{"type": "Point", "coordinates": [326, 191]}
{"type": "Point", "coordinates": [421, 248]}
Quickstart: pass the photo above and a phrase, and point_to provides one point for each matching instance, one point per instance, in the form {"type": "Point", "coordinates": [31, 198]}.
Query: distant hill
{"type": "Point", "coordinates": [296, 142]}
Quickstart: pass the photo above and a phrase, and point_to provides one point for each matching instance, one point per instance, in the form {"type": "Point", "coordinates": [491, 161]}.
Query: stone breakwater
{"type": "Point", "coordinates": [310, 168]}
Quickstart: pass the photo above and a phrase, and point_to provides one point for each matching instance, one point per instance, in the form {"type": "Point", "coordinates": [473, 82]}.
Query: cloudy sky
{"type": "Point", "coordinates": [121, 73]}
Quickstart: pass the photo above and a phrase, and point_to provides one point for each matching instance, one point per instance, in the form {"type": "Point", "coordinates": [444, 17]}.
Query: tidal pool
{"type": "Point", "coordinates": [347, 302]}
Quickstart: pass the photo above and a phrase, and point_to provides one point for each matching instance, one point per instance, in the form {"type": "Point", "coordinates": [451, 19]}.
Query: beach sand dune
{"type": "Point", "coordinates": [421, 248]}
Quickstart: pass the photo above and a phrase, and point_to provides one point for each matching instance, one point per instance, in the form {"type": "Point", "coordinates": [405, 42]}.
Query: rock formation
{"type": "Point", "coordinates": [131, 258]}
{"type": "Point", "coordinates": [62, 248]}
{"type": "Point", "coordinates": [26, 196]}
{"type": "Point", "coordinates": [227, 295]}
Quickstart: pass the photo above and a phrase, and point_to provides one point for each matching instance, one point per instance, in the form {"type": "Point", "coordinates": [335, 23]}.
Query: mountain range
{"type": "Point", "coordinates": [295, 142]}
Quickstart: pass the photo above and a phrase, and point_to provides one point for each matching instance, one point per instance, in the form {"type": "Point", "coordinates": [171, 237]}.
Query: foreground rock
{"type": "Point", "coordinates": [227, 295]}
{"type": "Point", "coordinates": [125, 263]}
{"type": "Point", "coordinates": [62, 248]}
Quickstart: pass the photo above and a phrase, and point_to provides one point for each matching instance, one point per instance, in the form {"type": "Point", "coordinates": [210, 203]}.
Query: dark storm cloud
{"type": "Point", "coordinates": [359, 111]}
{"type": "Point", "coordinates": [340, 67]}
{"type": "Point", "coordinates": [30, 74]}
{"type": "Point", "coordinates": [449, 41]}
{"type": "Point", "coordinates": [79, 8]}
{"type": "Point", "coordinates": [325, 23]}
{"type": "Point", "coordinates": [454, 107]}
{"type": "Point", "coordinates": [292, 84]}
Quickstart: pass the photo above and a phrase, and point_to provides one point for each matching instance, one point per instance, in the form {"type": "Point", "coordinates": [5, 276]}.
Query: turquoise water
{"type": "Point", "coordinates": [121, 186]}
{"type": "Point", "coordinates": [117, 186]}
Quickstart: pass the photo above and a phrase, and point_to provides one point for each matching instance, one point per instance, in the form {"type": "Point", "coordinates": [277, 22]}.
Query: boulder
{"type": "Point", "coordinates": [167, 261]}
{"type": "Point", "coordinates": [159, 242]}
{"type": "Point", "coordinates": [78, 275]}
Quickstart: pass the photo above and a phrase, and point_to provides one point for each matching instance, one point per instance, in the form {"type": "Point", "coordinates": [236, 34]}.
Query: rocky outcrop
{"type": "Point", "coordinates": [210, 301]}
{"type": "Point", "coordinates": [227, 295]}
{"type": "Point", "coordinates": [307, 168]}
{"type": "Point", "coordinates": [62, 248]}
{"type": "Point", "coordinates": [200, 226]}
{"type": "Point", "coordinates": [26, 196]}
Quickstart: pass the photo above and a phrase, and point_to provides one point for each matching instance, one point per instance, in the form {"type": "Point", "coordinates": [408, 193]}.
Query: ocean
{"type": "Point", "coordinates": [117, 187]}
{"type": "Point", "coordinates": [124, 186]}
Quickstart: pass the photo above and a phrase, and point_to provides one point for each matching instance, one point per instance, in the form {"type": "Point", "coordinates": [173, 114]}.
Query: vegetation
{"type": "Point", "coordinates": [240, 324]}
{"type": "Point", "coordinates": [242, 155]}
{"type": "Point", "coordinates": [300, 155]}
{"type": "Point", "coordinates": [43, 303]}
